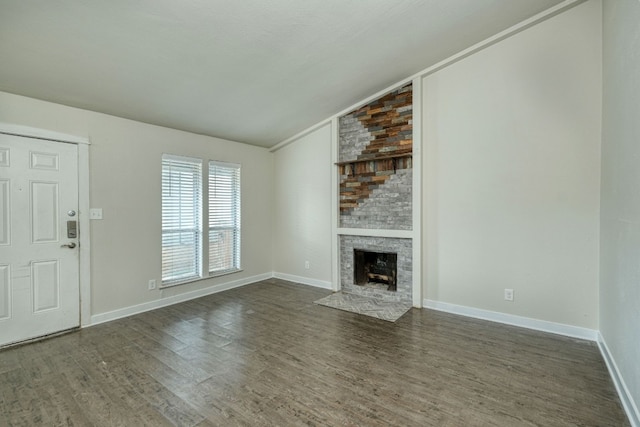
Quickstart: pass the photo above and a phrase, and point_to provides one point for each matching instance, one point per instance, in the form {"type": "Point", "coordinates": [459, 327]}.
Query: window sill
{"type": "Point", "coordinates": [224, 272]}
{"type": "Point", "coordinates": [198, 279]}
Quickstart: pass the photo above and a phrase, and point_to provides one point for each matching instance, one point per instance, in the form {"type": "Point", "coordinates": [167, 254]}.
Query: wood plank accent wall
{"type": "Point", "coordinates": [376, 140]}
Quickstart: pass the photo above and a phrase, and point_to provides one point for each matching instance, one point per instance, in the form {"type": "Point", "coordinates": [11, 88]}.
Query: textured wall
{"type": "Point", "coordinates": [375, 183]}
{"type": "Point", "coordinates": [382, 127]}
{"type": "Point", "coordinates": [387, 207]}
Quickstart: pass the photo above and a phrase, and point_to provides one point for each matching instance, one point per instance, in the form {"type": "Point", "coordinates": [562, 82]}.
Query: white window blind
{"type": "Point", "coordinates": [181, 218]}
{"type": "Point", "coordinates": [224, 217]}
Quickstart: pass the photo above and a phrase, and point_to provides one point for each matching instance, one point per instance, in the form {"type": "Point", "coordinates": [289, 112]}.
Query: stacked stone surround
{"type": "Point", "coordinates": [388, 207]}
{"type": "Point", "coordinates": [402, 247]}
{"type": "Point", "coordinates": [375, 168]}
{"type": "Point", "coordinates": [376, 146]}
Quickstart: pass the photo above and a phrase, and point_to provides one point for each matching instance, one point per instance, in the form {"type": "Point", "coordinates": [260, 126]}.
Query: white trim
{"type": "Point", "coordinates": [511, 31]}
{"type": "Point", "coordinates": [225, 164]}
{"type": "Point", "coordinates": [416, 193]}
{"type": "Point", "coordinates": [304, 280]}
{"type": "Point", "coordinates": [335, 195]}
{"type": "Point", "coordinates": [197, 279]}
{"type": "Point", "coordinates": [187, 159]}
{"type": "Point", "coordinates": [299, 135]}
{"type": "Point", "coordinates": [490, 41]}
{"type": "Point", "coordinates": [633, 414]}
{"type": "Point", "coordinates": [510, 319]}
{"type": "Point", "coordinates": [370, 232]}
{"type": "Point", "coordinates": [84, 191]}
{"type": "Point", "coordinates": [164, 302]}
{"type": "Point", "coordinates": [30, 132]}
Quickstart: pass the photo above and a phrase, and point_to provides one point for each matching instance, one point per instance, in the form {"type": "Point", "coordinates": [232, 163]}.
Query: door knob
{"type": "Point", "coordinates": [69, 245]}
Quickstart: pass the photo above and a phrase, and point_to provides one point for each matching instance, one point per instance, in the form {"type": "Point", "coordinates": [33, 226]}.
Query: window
{"type": "Point", "coordinates": [181, 218]}
{"type": "Point", "coordinates": [185, 254]}
{"type": "Point", "coordinates": [224, 217]}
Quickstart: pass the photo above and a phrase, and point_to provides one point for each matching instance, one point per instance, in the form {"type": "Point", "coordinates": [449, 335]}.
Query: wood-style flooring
{"type": "Point", "coordinates": [265, 355]}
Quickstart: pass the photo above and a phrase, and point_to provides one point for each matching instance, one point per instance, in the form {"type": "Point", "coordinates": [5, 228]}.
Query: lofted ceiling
{"type": "Point", "coordinates": [254, 71]}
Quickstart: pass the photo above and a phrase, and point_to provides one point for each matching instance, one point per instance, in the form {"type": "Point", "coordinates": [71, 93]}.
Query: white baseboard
{"type": "Point", "coordinates": [510, 319]}
{"type": "Point", "coordinates": [304, 280]}
{"type": "Point", "coordinates": [152, 305]}
{"type": "Point", "coordinates": [625, 396]}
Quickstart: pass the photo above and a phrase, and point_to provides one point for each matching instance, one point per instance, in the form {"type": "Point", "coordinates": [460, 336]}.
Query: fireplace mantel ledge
{"type": "Point", "coordinates": [368, 232]}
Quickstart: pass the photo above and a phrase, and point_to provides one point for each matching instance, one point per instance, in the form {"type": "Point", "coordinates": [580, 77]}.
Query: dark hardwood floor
{"type": "Point", "coordinates": [264, 355]}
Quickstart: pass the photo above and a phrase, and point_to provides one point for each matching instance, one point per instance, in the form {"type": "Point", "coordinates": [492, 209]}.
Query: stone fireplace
{"type": "Point", "coordinates": [375, 219]}
{"type": "Point", "coordinates": [375, 224]}
{"type": "Point", "coordinates": [402, 248]}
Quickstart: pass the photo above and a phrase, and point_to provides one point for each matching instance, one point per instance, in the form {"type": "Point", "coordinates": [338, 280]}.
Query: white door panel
{"type": "Point", "coordinates": [45, 280]}
{"type": "Point", "coordinates": [44, 212]}
{"type": "Point", "coordinates": [39, 275]}
{"type": "Point", "coordinates": [4, 156]}
{"type": "Point", "coordinates": [5, 294]}
{"type": "Point", "coordinates": [5, 230]}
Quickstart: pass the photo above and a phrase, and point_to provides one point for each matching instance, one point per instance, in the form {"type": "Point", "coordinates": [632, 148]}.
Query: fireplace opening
{"type": "Point", "coordinates": [375, 267]}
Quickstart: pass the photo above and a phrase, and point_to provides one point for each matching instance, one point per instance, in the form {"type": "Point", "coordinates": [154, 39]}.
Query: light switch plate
{"type": "Point", "coordinates": [95, 213]}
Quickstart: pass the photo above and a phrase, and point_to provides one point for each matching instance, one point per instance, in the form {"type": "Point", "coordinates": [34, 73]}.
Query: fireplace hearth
{"type": "Point", "coordinates": [375, 267]}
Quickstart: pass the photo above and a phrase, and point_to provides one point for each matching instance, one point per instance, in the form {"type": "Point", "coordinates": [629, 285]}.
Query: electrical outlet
{"type": "Point", "coordinates": [508, 294]}
{"type": "Point", "coordinates": [306, 265]}
{"type": "Point", "coordinates": [152, 284]}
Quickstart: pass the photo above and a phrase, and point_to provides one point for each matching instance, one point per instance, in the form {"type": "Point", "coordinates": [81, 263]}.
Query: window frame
{"type": "Point", "coordinates": [236, 213]}
{"type": "Point", "coordinates": [203, 256]}
{"type": "Point", "coordinates": [195, 228]}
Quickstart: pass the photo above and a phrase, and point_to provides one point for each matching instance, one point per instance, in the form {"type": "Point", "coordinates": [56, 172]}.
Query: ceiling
{"type": "Point", "coordinates": [254, 71]}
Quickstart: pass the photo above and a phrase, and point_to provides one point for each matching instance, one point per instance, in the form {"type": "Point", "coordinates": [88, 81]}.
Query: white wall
{"type": "Point", "coordinates": [620, 207]}
{"type": "Point", "coordinates": [125, 162]}
{"type": "Point", "coordinates": [512, 169]}
{"type": "Point", "coordinates": [302, 223]}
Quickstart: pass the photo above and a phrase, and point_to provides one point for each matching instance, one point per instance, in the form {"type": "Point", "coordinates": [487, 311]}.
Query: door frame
{"type": "Point", "coordinates": [83, 204]}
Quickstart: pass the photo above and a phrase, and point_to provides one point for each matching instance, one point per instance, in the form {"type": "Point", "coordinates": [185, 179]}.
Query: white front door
{"type": "Point", "coordinates": [39, 256]}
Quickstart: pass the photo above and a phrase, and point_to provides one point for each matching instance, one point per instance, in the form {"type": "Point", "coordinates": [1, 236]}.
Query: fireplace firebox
{"type": "Point", "coordinates": [375, 267]}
